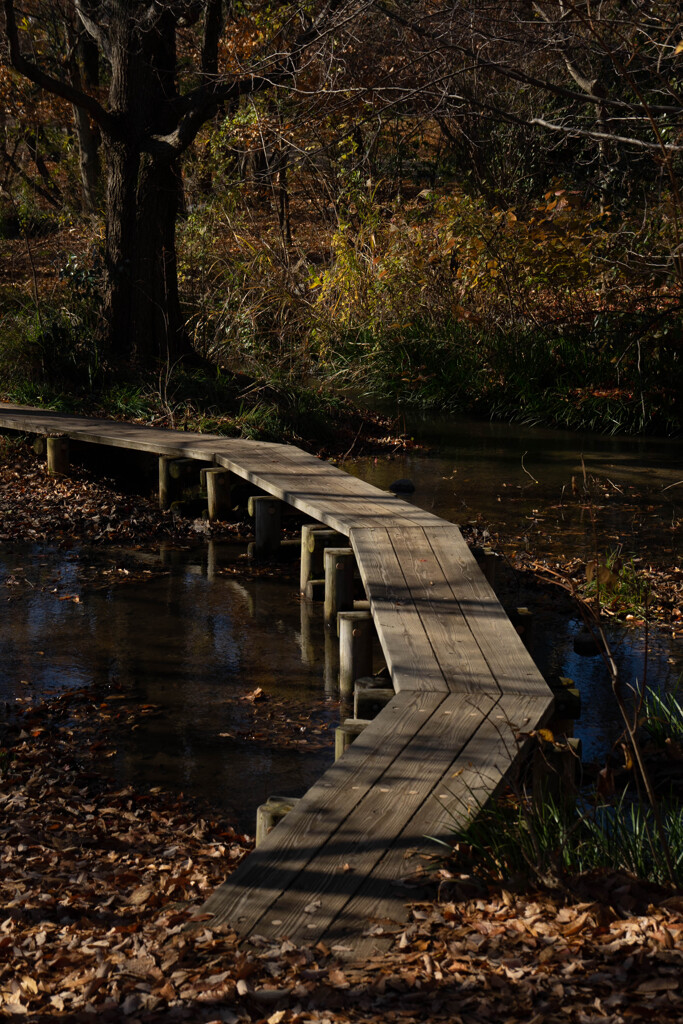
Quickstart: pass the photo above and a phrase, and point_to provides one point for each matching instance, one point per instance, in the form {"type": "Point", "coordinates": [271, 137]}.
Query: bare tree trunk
{"type": "Point", "coordinates": [141, 303]}
{"type": "Point", "coordinates": [122, 173]}
{"type": "Point", "coordinates": [88, 159]}
{"type": "Point", "coordinates": [159, 329]}
{"type": "Point", "coordinates": [84, 71]}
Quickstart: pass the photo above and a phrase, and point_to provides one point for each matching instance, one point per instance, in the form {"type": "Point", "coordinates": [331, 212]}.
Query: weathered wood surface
{"type": "Point", "coordinates": [349, 854]}
{"type": "Point", "coordinates": [312, 485]}
{"type": "Point", "coordinates": [475, 774]}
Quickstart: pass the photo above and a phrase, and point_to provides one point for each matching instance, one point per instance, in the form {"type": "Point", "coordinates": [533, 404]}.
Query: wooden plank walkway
{"type": "Point", "coordinates": [351, 853]}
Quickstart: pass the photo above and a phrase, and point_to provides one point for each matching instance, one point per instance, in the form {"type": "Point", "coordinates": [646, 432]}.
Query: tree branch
{"type": "Point", "coordinates": [93, 29]}
{"type": "Point", "coordinates": [506, 71]}
{"type": "Point", "coordinates": [45, 81]}
{"type": "Point", "coordinates": [199, 105]}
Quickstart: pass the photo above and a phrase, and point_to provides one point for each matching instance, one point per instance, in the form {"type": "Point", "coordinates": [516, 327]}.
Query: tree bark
{"type": "Point", "coordinates": [142, 306]}
{"type": "Point", "coordinates": [146, 125]}
{"type": "Point", "coordinates": [88, 159]}
{"type": "Point", "coordinates": [87, 132]}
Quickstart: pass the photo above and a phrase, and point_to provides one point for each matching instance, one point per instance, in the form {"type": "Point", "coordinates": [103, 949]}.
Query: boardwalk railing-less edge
{"type": "Point", "coordinates": [343, 864]}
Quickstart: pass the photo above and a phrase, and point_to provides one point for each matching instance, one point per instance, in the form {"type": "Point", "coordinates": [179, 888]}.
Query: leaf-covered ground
{"type": "Point", "coordinates": [37, 507]}
{"type": "Point", "coordinates": [99, 883]}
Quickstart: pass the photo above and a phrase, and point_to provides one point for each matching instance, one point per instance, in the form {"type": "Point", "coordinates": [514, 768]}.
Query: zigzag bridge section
{"type": "Point", "coordinates": [340, 866]}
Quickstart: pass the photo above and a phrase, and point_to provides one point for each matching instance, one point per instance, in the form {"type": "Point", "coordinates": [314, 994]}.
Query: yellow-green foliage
{"type": "Point", "coordinates": [451, 257]}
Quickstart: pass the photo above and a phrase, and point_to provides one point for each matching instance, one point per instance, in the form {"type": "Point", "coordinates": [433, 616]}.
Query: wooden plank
{"type": "Point", "coordinates": [464, 667]}
{"type": "Point", "coordinates": [109, 432]}
{"type": "Point", "coordinates": [282, 861]}
{"type": "Point", "coordinates": [334, 860]}
{"type": "Point", "coordinates": [509, 661]}
{"type": "Point", "coordinates": [323, 491]}
{"type": "Point", "coordinates": [409, 654]}
{"type": "Point", "coordinates": [475, 775]}
{"type": "Point", "coordinates": [314, 486]}
{"type": "Point", "coordinates": [361, 841]}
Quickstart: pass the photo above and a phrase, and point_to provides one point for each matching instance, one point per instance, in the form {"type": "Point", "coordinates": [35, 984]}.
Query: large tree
{"type": "Point", "coordinates": [168, 71]}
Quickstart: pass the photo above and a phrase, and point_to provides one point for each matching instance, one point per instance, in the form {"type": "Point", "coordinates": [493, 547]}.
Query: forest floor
{"type": "Point", "coordinates": [98, 882]}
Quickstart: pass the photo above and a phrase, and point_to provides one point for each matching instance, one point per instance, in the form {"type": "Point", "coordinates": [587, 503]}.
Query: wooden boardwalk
{"type": "Point", "coordinates": [346, 860]}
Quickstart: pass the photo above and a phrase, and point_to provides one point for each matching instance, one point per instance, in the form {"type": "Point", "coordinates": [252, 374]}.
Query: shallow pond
{"type": "Point", "coordinates": [525, 487]}
{"type": "Point", "coordinates": [181, 642]}
{"type": "Point", "coordinates": [180, 646]}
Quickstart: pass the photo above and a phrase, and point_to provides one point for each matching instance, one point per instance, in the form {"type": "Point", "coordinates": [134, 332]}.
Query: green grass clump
{"type": "Point", "coordinates": [619, 584]}
{"type": "Point", "coordinates": [515, 838]}
{"type": "Point", "coordinates": [663, 718]}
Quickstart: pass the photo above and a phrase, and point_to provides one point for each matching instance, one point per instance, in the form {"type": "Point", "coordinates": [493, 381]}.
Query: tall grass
{"type": "Point", "coordinates": [520, 836]}
{"type": "Point", "coordinates": [663, 718]}
{"type": "Point", "coordinates": [516, 838]}
{"type": "Point", "coordinates": [445, 303]}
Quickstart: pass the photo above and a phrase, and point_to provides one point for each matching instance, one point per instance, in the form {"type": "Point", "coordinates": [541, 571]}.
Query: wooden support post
{"type": "Point", "coordinates": [217, 492]}
{"type": "Point", "coordinates": [267, 514]}
{"type": "Point", "coordinates": [178, 468]}
{"type": "Point", "coordinates": [210, 559]}
{"type": "Point", "coordinates": [306, 633]}
{"type": "Point", "coordinates": [488, 567]}
{"type": "Point", "coordinates": [567, 707]}
{"type": "Point", "coordinates": [331, 664]}
{"type": "Point", "coordinates": [166, 482]}
{"type": "Point", "coordinates": [58, 455]}
{"type": "Point", "coordinates": [557, 773]}
{"type": "Point", "coordinates": [355, 649]}
{"type": "Point", "coordinates": [307, 551]}
{"type": "Point", "coordinates": [268, 815]}
{"type": "Point", "coordinates": [346, 733]}
{"type": "Point", "coordinates": [233, 480]}
{"type": "Point", "coordinates": [370, 695]}
{"type": "Point", "coordinates": [523, 621]}
{"type": "Point", "coordinates": [315, 590]}
{"type": "Point", "coordinates": [339, 567]}
{"type": "Point", "coordinates": [318, 541]}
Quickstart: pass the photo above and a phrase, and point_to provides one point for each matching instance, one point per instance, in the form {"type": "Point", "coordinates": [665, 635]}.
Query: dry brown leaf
{"type": "Point", "coordinates": [658, 985]}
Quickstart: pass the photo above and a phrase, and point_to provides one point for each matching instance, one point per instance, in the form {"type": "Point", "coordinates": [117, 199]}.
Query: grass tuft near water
{"type": "Point", "coordinates": [516, 839]}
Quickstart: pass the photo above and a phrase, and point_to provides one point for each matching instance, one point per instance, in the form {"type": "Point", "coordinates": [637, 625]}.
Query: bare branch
{"type": "Point", "coordinates": [54, 85]}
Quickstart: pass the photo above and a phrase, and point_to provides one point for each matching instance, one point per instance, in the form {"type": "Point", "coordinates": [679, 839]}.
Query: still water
{"type": "Point", "coordinates": [182, 638]}
{"type": "Point", "coordinates": [180, 641]}
{"type": "Point", "coordinates": [527, 485]}
{"type": "Point", "coordinates": [560, 496]}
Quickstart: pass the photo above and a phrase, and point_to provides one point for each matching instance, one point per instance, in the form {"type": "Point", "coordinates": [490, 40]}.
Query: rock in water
{"type": "Point", "coordinates": [402, 487]}
{"type": "Point", "coordinates": [586, 644]}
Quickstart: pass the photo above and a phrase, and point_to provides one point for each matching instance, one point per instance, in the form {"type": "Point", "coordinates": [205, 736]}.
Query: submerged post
{"type": "Point", "coordinates": [217, 492]}
{"type": "Point", "coordinates": [166, 482]}
{"type": "Point", "coordinates": [267, 514]}
{"type": "Point", "coordinates": [339, 566]}
{"type": "Point", "coordinates": [355, 649]}
{"type": "Point", "coordinates": [58, 455]}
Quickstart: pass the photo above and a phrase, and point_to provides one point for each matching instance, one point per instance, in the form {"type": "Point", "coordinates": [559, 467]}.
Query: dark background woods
{"type": "Point", "coordinates": [464, 205]}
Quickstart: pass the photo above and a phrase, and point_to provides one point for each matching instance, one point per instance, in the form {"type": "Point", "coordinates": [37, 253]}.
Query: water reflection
{"type": "Point", "coordinates": [525, 484]}
{"type": "Point", "coordinates": [191, 642]}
